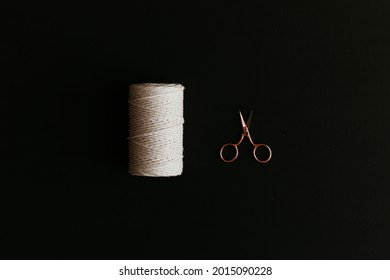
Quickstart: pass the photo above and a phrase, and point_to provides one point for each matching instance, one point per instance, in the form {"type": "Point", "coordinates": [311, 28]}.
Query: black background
{"type": "Point", "coordinates": [316, 74]}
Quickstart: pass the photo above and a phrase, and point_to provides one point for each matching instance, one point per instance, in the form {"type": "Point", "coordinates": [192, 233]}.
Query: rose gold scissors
{"type": "Point", "coordinates": [245, 133]}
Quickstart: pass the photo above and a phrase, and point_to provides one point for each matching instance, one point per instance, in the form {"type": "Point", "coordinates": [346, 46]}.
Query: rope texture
{"type": "Point", "coordinates": [156, 130]}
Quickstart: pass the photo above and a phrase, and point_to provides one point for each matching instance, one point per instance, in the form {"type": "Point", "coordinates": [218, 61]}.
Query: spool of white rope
{"type": "Point", "coordinates": [156, 129]}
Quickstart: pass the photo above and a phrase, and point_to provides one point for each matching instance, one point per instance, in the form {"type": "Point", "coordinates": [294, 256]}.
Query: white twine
{"type": "Point", "coordinates": [156, 129]}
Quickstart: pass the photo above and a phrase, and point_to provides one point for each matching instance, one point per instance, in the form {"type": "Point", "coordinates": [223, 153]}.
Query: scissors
{"type": "Point", "coordinates": [245, 133]}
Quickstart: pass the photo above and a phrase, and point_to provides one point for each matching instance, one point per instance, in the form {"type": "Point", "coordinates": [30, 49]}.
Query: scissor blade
{"type": "Point", "coordinates": [248, 122]}
{"type": "Point", "coordinates": [242, 120]}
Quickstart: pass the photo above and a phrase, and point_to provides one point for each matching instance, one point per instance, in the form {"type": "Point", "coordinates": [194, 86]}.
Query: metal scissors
{"type": "Point", "coordinates": [245, 133]}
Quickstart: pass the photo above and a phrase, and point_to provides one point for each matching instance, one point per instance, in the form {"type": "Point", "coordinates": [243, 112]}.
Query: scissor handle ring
{"type": "Point", "coordinates": [221, 152]}
{"type": "Point", "coordinates": [262, 145]}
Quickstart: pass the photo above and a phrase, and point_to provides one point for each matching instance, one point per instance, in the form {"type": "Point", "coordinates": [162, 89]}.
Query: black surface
{"type": "Point", "coordinates": [316, 74]}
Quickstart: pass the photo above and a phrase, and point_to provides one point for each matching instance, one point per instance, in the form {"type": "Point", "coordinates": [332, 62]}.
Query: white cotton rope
{"type": "Point", "coordinates": [156, 129]}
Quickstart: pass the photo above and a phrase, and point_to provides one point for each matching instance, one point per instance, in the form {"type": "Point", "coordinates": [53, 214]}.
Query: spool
{"type": "Point", "coordinates": [156, 129]}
